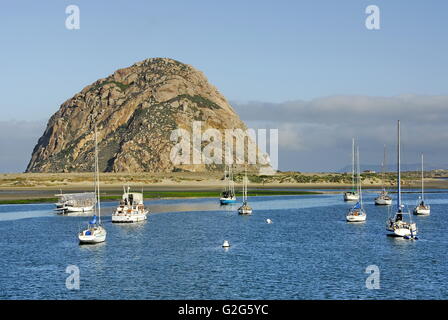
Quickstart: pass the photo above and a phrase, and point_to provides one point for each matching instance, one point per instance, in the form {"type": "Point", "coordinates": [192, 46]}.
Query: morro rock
{"type": "Point", "coordinates": [136, 109]}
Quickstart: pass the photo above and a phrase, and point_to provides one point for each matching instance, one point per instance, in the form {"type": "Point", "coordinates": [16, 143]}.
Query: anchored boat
{"type": "Point", "coordinates": [75, 202]}
{"type": "Point", "coordinates": [228, 195]}
{"type": "Point", "coordinates": [131, 208]}
{"type": "Point", "coordinates": [245, 209]}
{"type": "Point", "coordinates": [422, 208]}
{"type": "Point", "coordinates": [357, 213]}
{"type": "Point", "coordinates": [383, 199]}
{"type": "Point", "coordinates": [397, 225]}
{"type": "Point", "coordinates": [95, 232]}
{"type": "Point", "coordinates": [352, 195]}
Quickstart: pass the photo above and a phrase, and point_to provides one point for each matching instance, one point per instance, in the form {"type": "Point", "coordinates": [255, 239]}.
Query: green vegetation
{"type": "Point", "coordinates": [198, 100]}
{"type": "Point", "coordinates": [297, 178]}
{"type": "Point", "coordinates": [28, 201]}
{"type": "Point", "coordinates": [207, 194]}
{"type": "Point", "coordinates": [120, 85]}
{"type": "Point", "coordinates": [171, 194]}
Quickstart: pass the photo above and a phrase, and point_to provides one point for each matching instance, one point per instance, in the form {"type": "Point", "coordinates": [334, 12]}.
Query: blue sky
{"type": "Point", "coordinates": [252, 51]}
{"type": "Point", "coordinates": [271, 51]}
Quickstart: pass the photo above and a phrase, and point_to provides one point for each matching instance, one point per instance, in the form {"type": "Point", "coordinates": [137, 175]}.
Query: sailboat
{"type": "Point", "coordinates": [245, 208]}
{"type": "Point", "coordinates": [352, 195]}
{"type": "Point", "coordinates": [383, 198]}
{"type": "Point", "coordinates": [95, 232]}
{"type": "Point", "coordinates": [357, 213]}
{"type": "Point", "coordinates": [228, 195]}
{"type": "Point", "coordinates": [422, 208]}
{"type": "Point", "coordinates": [397, 225]}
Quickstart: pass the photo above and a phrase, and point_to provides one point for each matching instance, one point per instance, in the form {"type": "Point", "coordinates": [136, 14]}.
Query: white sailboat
{"type": "Point", "coordinates": [357, 213]}
{"type": "Point", "coordinates": [245, 209]}
{"type": "Point", "coordinates": [131, 208]}
{"type": "Point", "coordinates": [352, 195]}
{"type": "Point", "coordinates": [422, 208]}
{"type": "Point", "coordinates": [95, 232]}
{"type": "Point", "coordinates": [397, 225]}
{"type": "Point", "coordinates": [383, 198]}
{"type": "Point", "coordinates": [228, 195]}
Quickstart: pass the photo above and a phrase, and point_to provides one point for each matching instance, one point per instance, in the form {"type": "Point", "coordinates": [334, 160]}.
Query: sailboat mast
{"type": "Point", "coordinates": [423, 186]}
{"type": "Point", "coordinates": [231, 185]}
{"type": "Point", "coordinates": [399, 167]}
{"type": "Point", "coordinates": [383, 178]}
{"type": "Point", "coordinates": [97, 176]}
{"type": "Point", "coordinates": [353, 164]}
{"type": "Point", "coordinates": [359, 175]}
{"type": "Point", "coordinates": [245, 185]}
{"type": "Point", "coordinates": [225, 178]}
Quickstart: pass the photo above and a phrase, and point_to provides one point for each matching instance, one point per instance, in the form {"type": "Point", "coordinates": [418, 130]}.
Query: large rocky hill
{"type": "Point", "coordinates": [136, 109]}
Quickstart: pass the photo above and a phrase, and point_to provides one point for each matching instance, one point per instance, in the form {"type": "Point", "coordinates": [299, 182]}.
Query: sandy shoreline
{"type": "Point", "coordinates": [44, 185]}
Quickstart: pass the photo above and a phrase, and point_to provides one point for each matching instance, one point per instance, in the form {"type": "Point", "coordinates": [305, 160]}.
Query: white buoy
{"type": "Point", "coordinates": [226, 244]}
{"type": "Point", "coordinates": [268, 221]}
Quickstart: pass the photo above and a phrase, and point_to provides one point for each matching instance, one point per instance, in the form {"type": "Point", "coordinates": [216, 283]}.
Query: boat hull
{"type": "Point", "coordinates": [79, 209]}
{"type": "Point", "coordinates": [403, 231]}
{"type": "Point", "coordinates": [227, 200]}
{"type": "Point", "coordinates": [96, 237]}
{"type": "Point", "coordinates": [350, 196]}
{"type": "Point", "coordinates": [64, 210]}
{"type": "Point", "coordinates": [245, 211]}
{"type": "Point", "coordinates": [353, 218]}
{"type": "Point", "coordinates": [129, 217]}
{"type": "Point", "coordinates": [383, 202]}
{"type": "Point", "coordinates": [91, 239]}
{"type": "Point", "coordinates": [422, 211]}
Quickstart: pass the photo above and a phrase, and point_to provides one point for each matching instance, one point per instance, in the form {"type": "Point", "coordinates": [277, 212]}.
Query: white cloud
{"type": "Point", "coordinates": [322, 129]}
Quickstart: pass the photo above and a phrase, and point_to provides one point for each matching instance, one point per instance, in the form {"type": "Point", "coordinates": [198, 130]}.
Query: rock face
{"type": "Point", "coordinates": [136, 109]}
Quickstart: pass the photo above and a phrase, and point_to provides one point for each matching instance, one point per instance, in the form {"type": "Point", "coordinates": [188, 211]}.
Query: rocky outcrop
{"type": "Point", "coordinates": [136, 109]}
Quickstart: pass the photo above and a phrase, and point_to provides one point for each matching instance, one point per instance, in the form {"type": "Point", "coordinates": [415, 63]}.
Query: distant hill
{"type": "Point", "coordinates": [393, 167]}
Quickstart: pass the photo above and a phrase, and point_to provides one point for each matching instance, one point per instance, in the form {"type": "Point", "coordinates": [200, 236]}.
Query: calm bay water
{"type": "Point", "coordinates": [309, 252]}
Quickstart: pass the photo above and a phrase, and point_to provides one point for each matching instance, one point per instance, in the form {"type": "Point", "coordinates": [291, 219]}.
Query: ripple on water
{"type": "Point", "coordinates": [309, 252]}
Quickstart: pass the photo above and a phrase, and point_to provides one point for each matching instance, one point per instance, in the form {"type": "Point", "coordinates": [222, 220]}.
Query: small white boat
{"type": "Point", "coordinates": [268, 221]}
{"type": "Point", "coordinates": [95, 232]}
{"type": "Point", "coordinates": [401, 228]}
{"type": "Point", "coordinates": [422, 209]}
{"type": "Point", "coordinates": [226, 244]}
{"type": "Point", "coordinates": [131, 208]}
{"type": "Point", "coordinates": [383, 198]}
{"type": "Point", "coordinates": [397, 225]}
{"type": "Point", "coordinates": [228, 195]}
{"type": "Point", "coordinates": [245, 209]}
{"type": "Point", "coordinates": [352, 195]}
{"type": "Point", "coordinates": [357, 213]}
